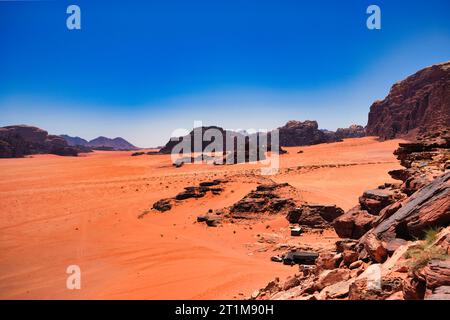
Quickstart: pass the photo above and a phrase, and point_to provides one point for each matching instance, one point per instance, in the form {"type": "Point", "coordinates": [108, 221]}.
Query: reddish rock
{"type": "Point", "coordinates": [330, 277]}
{"type": "Point", "coordinates": [314, 215]}
{"type": "Point", "coordinates": [348, 257]}
{"type": "Point", "coordinates": [375, 200]}
{"type": "Point", "coordinates": [437, 273]}
{"type": "Point", "coordinates": [291, 282]}
{"type": "Point", "coordinates": [354, 223]}
{"type": "Point", "coordinates": [346, 244]}
{"type": "Point", "coordinates": [374, 248]}
{"type": "Point", "coordinates": [420, 103]}
{"type": "Point", "coordinates": [428, 207]}
{"type": "Point", "coordinates": [413, 289]}
{"type": "Point", "coordinates": [328, 260]}
{"type": "Point", "coordinates": [388, 211]}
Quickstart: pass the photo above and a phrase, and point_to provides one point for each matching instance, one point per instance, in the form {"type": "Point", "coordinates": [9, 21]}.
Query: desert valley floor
{"type": "Point", "coordinates": [58, 211]}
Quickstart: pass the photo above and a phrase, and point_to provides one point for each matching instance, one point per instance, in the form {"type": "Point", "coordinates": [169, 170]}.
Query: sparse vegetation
{"type": "Point", "coordinates": [425, 250]}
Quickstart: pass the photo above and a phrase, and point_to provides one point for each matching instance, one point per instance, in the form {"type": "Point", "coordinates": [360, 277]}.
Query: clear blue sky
{"type": "Point", "coordinates": [140, 69]}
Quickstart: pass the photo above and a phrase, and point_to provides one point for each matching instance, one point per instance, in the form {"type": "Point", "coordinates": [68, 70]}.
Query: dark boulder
{"type": "Point", "coordinates": [314, 215]}
{"type": "Point", "coordinates": [300, 257]}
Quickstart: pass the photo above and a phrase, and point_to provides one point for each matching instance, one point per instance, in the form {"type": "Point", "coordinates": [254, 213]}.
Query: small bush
{"type": "Point", "coordinates": [425, 251]}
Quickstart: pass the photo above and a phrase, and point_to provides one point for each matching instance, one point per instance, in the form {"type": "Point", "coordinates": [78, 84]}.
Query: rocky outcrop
{"type": "Point", "coordinates": [417, 105]}
{"type": "Point", "coordinates": [267, 199]}
{"type": "Point", "coordinates": [428, 207]}
{"type": "Point", "coordinates": [354, 131]}
{"type": "Point", "coordinates": [231, 148]}
{"type": "Point", "coordinates": [194, 192]}
{"type": "Point", "coordinates": [297, 133]}
{"type": "Point", "coordinates": [354, 223]}
{"type": "Point", "coordinates": [21, 140]}
{"type": "Point", "coordinates": [314, 215]}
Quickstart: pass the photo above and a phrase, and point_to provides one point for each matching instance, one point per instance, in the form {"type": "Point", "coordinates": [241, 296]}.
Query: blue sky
{"type": "Point", "coordinates": [141, 69]}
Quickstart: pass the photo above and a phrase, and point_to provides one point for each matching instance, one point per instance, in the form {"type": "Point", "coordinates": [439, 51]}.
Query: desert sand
{"type": "Point", "coordinates": [58, 211]}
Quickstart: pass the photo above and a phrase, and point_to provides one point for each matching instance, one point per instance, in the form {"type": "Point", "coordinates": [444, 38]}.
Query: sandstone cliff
{"type": "Point", "coordinates": [417, 105]}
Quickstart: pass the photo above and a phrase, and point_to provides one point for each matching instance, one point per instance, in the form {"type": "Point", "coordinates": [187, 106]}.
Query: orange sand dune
{"type": "Point", "coordinates": [59, 211]}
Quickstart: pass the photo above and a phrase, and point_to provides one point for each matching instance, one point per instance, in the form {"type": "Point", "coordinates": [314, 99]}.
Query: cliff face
{"type": "Point", "coordinates": [417, 105]}
{"type": "Point", "coordinates": [18, 141]}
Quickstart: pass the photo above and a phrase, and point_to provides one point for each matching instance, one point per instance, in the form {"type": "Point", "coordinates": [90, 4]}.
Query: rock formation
{"type": "Point", "coordinates": [233, 147]}
{"type": "Point", "coordinates": [21, 140]}
{"type": "Point", "coordinates": [400, 232]}
{"type": "Point", "coordinates": [417, 105]}
{"type": "Point", "coordinates": [354, 131]}
{"type": "Point", "coordinates": [297, 133]}
{"type": "Point", "coordinates": [314, 215]}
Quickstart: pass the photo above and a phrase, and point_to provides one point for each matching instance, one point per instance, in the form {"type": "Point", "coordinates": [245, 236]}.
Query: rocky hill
{"type": "Point", "coordinates": [21, 140]}
{"type": "Point", "coordinates": [101, 142]}
{"type": "Point", "coordinates": [115, 144]}
{"type": "Point", "coordinates": [74, 141]}
{"type": "Point", "coordinates": [417, 105]}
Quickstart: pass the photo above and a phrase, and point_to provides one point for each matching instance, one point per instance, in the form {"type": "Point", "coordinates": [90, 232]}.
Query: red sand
{"type": "Point", "coordinates": [58, 211]}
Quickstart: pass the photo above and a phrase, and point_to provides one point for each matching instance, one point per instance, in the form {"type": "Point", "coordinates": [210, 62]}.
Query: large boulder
{"type": "Point", "coordinates": [298, 133]}
{"type": "Point", "coordinates": [354, 223]}
{"type": "Point", "coordinates": [314, 215]}
{"type": "Point", "coordinates": [418, 104]}
{"type": "Point", "coordinates": [376, 199]}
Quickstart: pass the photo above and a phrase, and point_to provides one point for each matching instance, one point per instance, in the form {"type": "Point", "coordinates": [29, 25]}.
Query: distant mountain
{"type": "Point", "coordinates": [74, 141]}
{"type": "Point", "coordinates": [102, 143]}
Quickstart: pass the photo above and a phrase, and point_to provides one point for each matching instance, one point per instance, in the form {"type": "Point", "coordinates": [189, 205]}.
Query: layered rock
{"type": "Point", "coordinates": [314, 215]}
{"type": "Point", "coordinates": [194, 192]}
{"type": "Point", "coordinates": [21, 140]}
{"type": "Point", "coordinates": [267, 199]}
{"type": "Point", "coordinates": [428, 207]}
{"type": "Point", "coordinates": [417, 105]}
